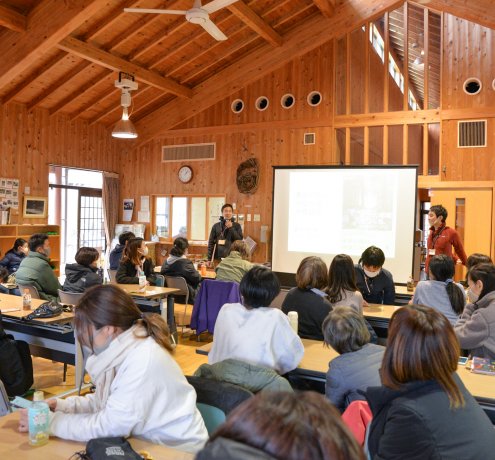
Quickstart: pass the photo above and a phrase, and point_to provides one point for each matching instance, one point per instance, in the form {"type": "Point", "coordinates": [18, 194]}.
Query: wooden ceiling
{"type": "Point", "coordinates": [64, 56]}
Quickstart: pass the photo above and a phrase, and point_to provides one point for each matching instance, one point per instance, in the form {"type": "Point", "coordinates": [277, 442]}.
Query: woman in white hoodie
{"type": "Point", "coordinates": [140, 389]}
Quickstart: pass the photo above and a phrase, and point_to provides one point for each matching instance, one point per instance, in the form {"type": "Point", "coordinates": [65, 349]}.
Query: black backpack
{"type": "Point", "coordinates": [16, 365]}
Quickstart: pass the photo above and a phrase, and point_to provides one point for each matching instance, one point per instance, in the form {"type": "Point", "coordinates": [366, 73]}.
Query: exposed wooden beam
{"type": "Point", "coordinates": [48, 23]}
{"type": "Point", "coordinates": [79, 92]}
{"type": "Point", "coordinates": [97, 99]}
{"type": "Point", "coordinates": [12, 19]}
{"type": "Point", "coordinates": [66, 77]}
{"type": "Point", "coordinates": [252, 20]}
{"type": "Point", "coordinates": [36, 73]}
{"type": "Point", "coordinates": [265, 59]}
{"type": "Point", "coordinates": [110, 61]}
{"type": "Point", "coordinates": [327, 7]}
{"type": "Point", "coordinates": [481, 12]}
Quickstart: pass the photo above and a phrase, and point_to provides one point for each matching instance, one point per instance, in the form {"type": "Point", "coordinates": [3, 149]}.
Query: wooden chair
{"type": "Point", "coordinates": [178, 282]}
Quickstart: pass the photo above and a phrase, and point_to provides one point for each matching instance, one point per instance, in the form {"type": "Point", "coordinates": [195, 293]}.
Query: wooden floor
{"type": "Point", "coordinates": [48, 375]}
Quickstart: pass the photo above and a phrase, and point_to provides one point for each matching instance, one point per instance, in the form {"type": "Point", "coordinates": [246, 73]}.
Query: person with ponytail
{"type": "Point", "coordinates": [140, 389]}
{"type": "Point", "coordinates": [135, 262]}
{"type": "Point", "coordinates": [177, 264]}
{"type": "Point", "coordinates": [440, 292]}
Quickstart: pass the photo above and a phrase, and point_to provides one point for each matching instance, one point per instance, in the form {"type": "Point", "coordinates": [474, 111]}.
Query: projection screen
{"type": "Point", "coordinates": [329, 210]}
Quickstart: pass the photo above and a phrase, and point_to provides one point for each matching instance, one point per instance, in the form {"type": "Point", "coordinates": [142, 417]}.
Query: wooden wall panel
{"type": "Point", "coordinates": [31, 140]}
{"type": "Point", "coordinates": [467, 52]}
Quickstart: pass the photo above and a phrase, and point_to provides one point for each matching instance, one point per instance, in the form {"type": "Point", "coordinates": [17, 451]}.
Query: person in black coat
{"type": "Point", "coordinates": [308, 299]}
{"type": "Point", "coordinates": [422, 410]}
{"type": "Point", "coordinates": [83, 274]}
{"type": "Point", "coordinates": [116, 253]}
{"type": "Point", "coordinates": [134, 262]}
{"type": "Point", "coordinates": [14, 256]}
{"type": "Point", "coordinates": [375, 283]}
{"type": "Point", "coordinates": [223, 234]}
{"type": "Point", "coordinates": [177, 264]}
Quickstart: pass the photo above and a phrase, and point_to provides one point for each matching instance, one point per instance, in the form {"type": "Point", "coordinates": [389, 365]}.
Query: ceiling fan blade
{"type": "Point", "coordinates": [213, 30]}
{"type": "Point", "coordinates": [216, 5]}
{"type": "Point", "coordinates": [149, 10]}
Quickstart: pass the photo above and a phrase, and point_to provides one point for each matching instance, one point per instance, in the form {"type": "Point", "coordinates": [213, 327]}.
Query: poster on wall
{"type": "Point", "coordinates": [128, 208]}
{"type": "Point", "coordinates": [9, 193]}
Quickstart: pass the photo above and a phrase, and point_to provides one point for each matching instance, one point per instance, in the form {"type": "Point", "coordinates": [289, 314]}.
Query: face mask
{"type": "Point", "coordinates": [100, 349]}
{"type": "Point", "coordinates": [371, 274]}
{"type": "Point", "coordinates": [144, 251]}
{"type": "Point", "coordinates": [24, 250]}
{"type": "Point", "coordinates": [472, 296]}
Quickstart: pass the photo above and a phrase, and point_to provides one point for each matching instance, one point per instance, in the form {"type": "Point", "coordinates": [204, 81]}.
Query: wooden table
{"type": "Point", "coordinates": [210, 274]}
{"type": "Point", "coordinates": [16, 445]}
{"type": "Point", "coordinates": [51, 338]}
{"type": "Point", "coordinates": [150, 296]}
{"type": "Point", "coordinates": [314, 365]}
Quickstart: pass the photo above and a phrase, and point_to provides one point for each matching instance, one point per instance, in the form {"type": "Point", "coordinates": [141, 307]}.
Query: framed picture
{"type": "Point", "coordinates": [35, 207]}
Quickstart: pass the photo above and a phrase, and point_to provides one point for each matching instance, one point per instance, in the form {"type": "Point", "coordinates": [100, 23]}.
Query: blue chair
{"type": "Point", "coordinates": [216, 399]}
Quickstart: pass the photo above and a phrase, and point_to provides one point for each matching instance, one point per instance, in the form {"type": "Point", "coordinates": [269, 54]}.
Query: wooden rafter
{"type": "Point", "coordinates": [327, 7]}
{"type": "Point", "coordinates": [95, 100]}
{"type": "Point", "coordinates": [79, 91]}
{"type": "Point", "coordinates": [12, 19]}
{"type": "Point", "coordinates": [306, 37]}
{"type": "Point", "coordinates": [45, 29]}
{"type": "Point", "coordinates": [255, 22]}
{"type": "Point", "coordinates": [110, 61]}
{"type": "Point", "coordinates": [480, 12]}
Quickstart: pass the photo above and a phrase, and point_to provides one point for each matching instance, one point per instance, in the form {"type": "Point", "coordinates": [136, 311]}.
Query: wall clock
{"type": "Point", "coordinates": [185, 174]}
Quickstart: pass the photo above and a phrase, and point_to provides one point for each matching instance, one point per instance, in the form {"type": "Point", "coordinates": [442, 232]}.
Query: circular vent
{"type": "Point", "coordinates": [262, 103]}
{"type": "Point", "coordinates": [472, 86]}
{"type": "Point", "coordinates": [314, 98]}
{"type": "Point", "coordinates": [287, 101]}
{"type": "Point", "coordinates": [237, 106]}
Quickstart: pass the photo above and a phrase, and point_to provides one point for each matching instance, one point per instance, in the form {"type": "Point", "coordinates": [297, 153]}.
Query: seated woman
{"type": "Point", "coordinates": [134, 262]}
{"type": "Point", "coordinates": [255, 332]}
{"type": "Point", "coordinates": [236, 264]}
{"type": "Point", "coordinates": [83, 274]}
{"type": "Point", "coordinates": [14, 256]}
{"type": "Point", "coordinates": [423, 410]}
{"type": "Point", "coordinates": [281, 425]}
{"type": "Point", "coordinates": [342, 289]}
{"type": "Point", "coordinates": [375, 283]}
{"type": "Point", "coordinates": [358, 365]}
{"type": "Point", "coordinates": [440, 291]}
{"type": "Point", "coordinates": [4, 277]}
{"type": "Point", "coordinates": [476, 326]}
{"type": "Point", "coordinates": [472, 260]}
{"type": "Point", "coordinates": [140, 389]}
{"type": "Point", "coordinates": [177, 264]}
{"type": "Point", "coordinates": [308, 299]}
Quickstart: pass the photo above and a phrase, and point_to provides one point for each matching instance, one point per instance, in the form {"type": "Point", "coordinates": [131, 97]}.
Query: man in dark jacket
{"type": "Point", "coordinates": [223, 234]}
{"type": "Point", "coordinates": [116, 253]}
{"type": "Point", "coordinates": [83, 274]}
{"type": "Point", "coordinates": [35, 269]}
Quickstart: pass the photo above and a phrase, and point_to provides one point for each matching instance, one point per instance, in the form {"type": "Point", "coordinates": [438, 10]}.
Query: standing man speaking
{"type": "Point", "coordinates": [223, 234]}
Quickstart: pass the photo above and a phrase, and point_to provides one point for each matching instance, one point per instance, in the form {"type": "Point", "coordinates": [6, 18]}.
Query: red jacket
{"type": "Point", "coordinates": [442, 241]}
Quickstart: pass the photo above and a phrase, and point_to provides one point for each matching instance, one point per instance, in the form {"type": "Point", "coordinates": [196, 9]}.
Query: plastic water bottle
{"type": "Point", "coordinates": [410, 284]}
{"type": "Point", "coordinates": [293, 320]}
{"type": "Point", "coordinates": [142, 281]}
{"type": "Point", "coordinates": [39, 420]}
{"type": "Point", "coordinates": [26, 300]}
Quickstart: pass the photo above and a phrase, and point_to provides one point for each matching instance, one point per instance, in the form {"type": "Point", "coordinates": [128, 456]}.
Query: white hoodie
{"type": "Point", "coordinates": [140, 392]}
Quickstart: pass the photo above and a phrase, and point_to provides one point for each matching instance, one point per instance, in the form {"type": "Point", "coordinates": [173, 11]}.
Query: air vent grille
{"type": "Point", "coordinates": [471, 133]}
{"type": "Point", "coordinates": [309, 138]}
{"type": "Point", "coordinates": [190, 152]}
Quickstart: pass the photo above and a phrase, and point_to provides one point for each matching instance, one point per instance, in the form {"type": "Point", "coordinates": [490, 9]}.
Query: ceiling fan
{"type": "Point", "coordinates": [198, 14]}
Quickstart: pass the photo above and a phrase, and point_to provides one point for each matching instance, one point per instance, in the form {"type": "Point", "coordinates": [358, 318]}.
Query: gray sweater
{"type": "Point", "coordinates": [476, 327]}
{"type": "Point", "coordinates": [433, 294]}
{"type": "Point", "coordinates": [353, 371]}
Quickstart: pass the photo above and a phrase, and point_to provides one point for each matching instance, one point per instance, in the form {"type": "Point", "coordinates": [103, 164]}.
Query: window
{"type": "Point", "coordinates": [188, 216]}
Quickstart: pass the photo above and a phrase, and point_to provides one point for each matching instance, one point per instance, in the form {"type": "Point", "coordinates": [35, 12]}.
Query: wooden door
{"type": "Point", "coordinates": [470, 213]}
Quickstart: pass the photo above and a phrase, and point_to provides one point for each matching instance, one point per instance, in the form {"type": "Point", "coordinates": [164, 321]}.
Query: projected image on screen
{"type": "Point", "coordinates": [328, 211]}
